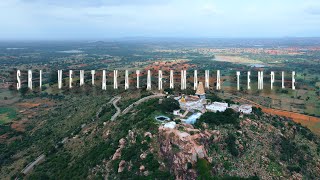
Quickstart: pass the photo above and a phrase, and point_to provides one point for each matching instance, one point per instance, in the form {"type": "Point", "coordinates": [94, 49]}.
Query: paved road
{"type": "Point", "coordinates": [103, 106]}
{"type": "Point", "coordinates": [30, 166]}
{"type": "Point", "coordinates": [114, 102]}
{"type": "Point", "coordinates": [126, 110]}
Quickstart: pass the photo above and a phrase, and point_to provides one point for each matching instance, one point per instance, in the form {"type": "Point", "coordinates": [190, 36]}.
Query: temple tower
{"type": "Point", "coordinates": [200, 91]}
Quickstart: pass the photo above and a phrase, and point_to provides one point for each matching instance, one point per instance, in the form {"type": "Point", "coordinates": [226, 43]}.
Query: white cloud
{"type": "Point", "coordinates": [102, 18]}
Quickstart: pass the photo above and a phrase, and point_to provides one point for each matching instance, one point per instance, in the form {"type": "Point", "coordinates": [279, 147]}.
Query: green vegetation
{"type": "Point", "coordinates": [203, 168]}
{"type": "Point", "coordinates": [305, 132]}
{"type": "Point", "coordinates": [7, 114]}
{"type": "Point", "coordinates": [274, 168]}
{"type": "Point", "coordinates": [257, 111]}
{"type": "Point", "coordinates": [294, 168]}
{"type": "Point", "coordinates": [231, 145]}
{"type": "Point", "coordinates": [24, 90]}
{"type": "Point", "coordinates": [65, 120]}
{"type": "Point", "coordinates": [141, 122]}
{"type": "Point", "coordinates": [213, 97]}
{"type": "Point", "coordinates": [229, 116]}
{"type": "Point", "coordinates": [235, 178]}
{"type": "Point", "coordinates": [168, 105]}
{"type": "Point", "coordinates": [227, 165]}
{"type": "Point", "coordinates": [92, 139]}
{"type": "Point", "coordinates": [297, 156]}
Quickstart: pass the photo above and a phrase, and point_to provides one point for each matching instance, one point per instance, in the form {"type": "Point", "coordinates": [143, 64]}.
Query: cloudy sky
{"type": "Point", "coordinates": [100, 19]}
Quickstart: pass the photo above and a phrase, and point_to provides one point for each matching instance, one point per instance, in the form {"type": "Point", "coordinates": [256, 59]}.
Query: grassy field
{"type": "Point", "coordinates": [7, 114]}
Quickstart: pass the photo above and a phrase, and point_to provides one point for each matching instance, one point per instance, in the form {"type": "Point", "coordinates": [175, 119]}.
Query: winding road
{"type": "Point", "coordinates": [126, 110]}
{"type": "Point", "coordinates": [114, 102]}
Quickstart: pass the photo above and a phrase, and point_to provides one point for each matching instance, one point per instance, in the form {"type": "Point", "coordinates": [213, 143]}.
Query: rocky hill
{"type": "Point", "coordinates": [223, 146]}
{"type": "Point", "coordinates": [80, 141]}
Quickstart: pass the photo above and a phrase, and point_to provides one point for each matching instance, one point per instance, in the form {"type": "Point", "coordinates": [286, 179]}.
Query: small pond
{"type": "Point", "coordinates": [162, 118]}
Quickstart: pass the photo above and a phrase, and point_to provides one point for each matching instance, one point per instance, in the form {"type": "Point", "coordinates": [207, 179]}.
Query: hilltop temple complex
{"type": "Point", "coordinates": [198, 104]}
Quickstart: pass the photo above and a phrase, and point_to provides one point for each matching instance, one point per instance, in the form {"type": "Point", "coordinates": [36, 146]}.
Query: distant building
{"type": "Point", "coordinates": [245, 108]}
{"type": "Point", "coordinates": [217, 106]}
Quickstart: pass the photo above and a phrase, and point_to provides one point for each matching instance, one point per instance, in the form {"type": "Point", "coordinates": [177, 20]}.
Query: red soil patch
{"type": "Point", "coordinates": [28, 105]}
{"type": "Point", "coordinates": [19, 125]}
{"type": "Point", "coordinates": [313, 123]}
{"type": "Point", "coordinates": [293, 115]}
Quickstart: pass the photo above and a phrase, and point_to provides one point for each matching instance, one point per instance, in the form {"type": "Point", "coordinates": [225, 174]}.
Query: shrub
{"type": "Point", "coordinates": [24, 90]}
{"type": "Point", "coordinates": [169, 104]}
{"type": "Point", "coordinates": [189, 165]}
{"type": "Point", "coordinates": [306, 133]}
{"type": "Point", "coordinates": [231, 145]}
{"type": "Point", "coordinates": [151, 163]}
{"type": "Point", "coordinates": [227, 117]}
{"type": "Point", "coordinates": [227, 165]}
{"type": "Point", "coordinates": [257, 111]}
{"type": "Point", "coordinates": [203, 169]}
{"type": "Point", "coordinates": [294, 168]}
{"type": "Point", "coordinates": [235, 178]}
{"type": "Point", "coordinates": [288, 149]}
{"type": "Point", "coordinates": [213, 97]}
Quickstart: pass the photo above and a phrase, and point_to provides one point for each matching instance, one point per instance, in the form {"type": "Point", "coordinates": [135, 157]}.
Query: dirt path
{"type": "Point", "coordinates": [285, 113]}
{"type": "Point", "coordinates": [313, 123]}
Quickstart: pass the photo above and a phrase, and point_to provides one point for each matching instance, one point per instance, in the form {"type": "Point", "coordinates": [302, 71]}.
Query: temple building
{"type": "Point", "coordinates": [217, 106]}
{"type": "Point", "coordinates": [198, 104]}
{"type": "Point", "coordinates": [190, 103]}
{"type": "Point", "coordinates": [195, 102]}
{"type": "Point", "coordinates": [200, 91]}
{"type": "Point", "coordinates": [245, 108]}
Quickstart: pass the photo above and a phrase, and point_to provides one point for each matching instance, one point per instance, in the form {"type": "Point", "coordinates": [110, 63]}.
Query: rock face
{"type": "Point", "coordinates": [121, 166]}
{"type": "Point", "coordinates": [148, 134]}
{"type": "Point", "coordinates": [182, 148]}
{"type": "Point", "coordinates": [117, 154]}
{"type": "Point", "coordinates": [131, 137]}
{"type": "Point", "coordinates": [143, 156]}
{"type": "Point", "coordinates": [142, 168]}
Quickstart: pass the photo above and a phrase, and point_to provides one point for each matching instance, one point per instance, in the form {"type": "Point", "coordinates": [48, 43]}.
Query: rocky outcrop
{"type": "Point", "coordinates": [117, 154]}
{"type": "Point", "coordinates": [131, 137]}
{"type": "Point", "coordinates": [142, 168]}
{"type": "Point", "coordinates": [296, 176]}
{"type": "Point", "coordinates": [182, 148]}
{"type": "Point", "coordinates": [148, 134]}
{"type": "Point", "coordinates": [121, 166]}
{"type": "Point", "coordinates": [143, 156]}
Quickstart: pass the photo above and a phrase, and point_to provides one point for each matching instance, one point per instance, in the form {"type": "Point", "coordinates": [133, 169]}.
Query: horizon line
{"type": "Point", "coordinates": [149, 37]}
